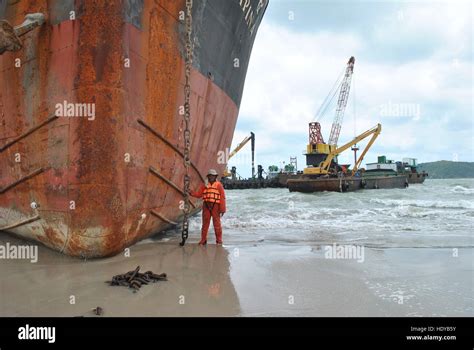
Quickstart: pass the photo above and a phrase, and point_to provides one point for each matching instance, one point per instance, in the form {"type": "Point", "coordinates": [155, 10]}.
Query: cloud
{"type": "Point", "coordinates": [423, 28]}
{"type": "Point", "coordinates": [294, 65]}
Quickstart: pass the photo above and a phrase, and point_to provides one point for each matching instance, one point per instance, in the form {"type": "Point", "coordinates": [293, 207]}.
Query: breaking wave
{"type": "Point", "coordinates": [462, 190]}
{"type": "Point", "coordinates": [461, 204]}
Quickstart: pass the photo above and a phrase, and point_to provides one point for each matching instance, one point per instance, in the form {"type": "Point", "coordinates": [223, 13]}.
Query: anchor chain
{"type": "Point", "coordinates": [187, 118]}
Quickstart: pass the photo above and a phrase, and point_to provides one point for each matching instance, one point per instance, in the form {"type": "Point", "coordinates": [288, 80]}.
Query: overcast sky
{"type": "Point", "coordinates": [413, 74]}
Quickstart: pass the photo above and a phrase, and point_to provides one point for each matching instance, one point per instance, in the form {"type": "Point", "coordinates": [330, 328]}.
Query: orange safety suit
{"type": "Point", "coordinates": [213, 196]}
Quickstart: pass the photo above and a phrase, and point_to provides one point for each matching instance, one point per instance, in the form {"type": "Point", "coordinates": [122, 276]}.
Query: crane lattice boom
{"type": "Point", "coordinates": [341, 103]}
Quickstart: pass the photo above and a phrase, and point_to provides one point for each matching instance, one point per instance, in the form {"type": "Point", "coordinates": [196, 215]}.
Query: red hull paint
{"type": "Point", "coordinates": [92, 202]}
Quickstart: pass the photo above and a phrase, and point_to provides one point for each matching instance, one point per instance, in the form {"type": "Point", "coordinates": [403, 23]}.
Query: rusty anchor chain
{"type": "Point", "coordinates": [187, 118]}
{"type": "Point", "coordinates": [134, 279]}
{"type": "Point", "coordinates": [10, 36]}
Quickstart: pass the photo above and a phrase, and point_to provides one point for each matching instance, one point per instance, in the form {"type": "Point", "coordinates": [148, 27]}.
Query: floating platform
{"type": "Point", "coordinates": [278, 181]}
{"type": "Point", "coordinates": [283, 178]}
{"type": "Point", "coordinates": [251, 183]}
{"type": "Point", "coordinates": [320, 184]}
{"type": "Point", "coordinates": [384, 181]}
{"type": "Point", "coordinates": [346, 184]}
{"type": "Point", "coordinates": [417, 178]}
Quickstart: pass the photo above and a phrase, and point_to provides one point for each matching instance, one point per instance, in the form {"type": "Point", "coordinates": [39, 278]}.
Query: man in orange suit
{"type": "Point", "coordinates": [213, 196]}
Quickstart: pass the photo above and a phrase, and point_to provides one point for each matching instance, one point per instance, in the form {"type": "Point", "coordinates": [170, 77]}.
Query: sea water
{"type": "Point", "coordinates": [437, 213]}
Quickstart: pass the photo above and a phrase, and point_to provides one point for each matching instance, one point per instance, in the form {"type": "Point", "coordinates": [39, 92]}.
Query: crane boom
{"type": "Point", "coordinates": [242, 144]}
{"type": "Point", "coordinates": [375, 132]}
{"type": "Point", "coordinates": [238, 148]}
{"type": "Point", "coordinates": [341, 103]}
{"type": "Point", "coordinates": [324, 166]}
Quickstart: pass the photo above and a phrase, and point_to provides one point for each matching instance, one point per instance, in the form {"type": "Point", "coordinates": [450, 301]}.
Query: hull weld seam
{"type": "Point", "coordinates": [168, 143]}
{"type": "Point", "coordinates": [21, 223]}
{"type": "Point", "coordinates": [157, 174]}
{"type": "Point", "coordinates": [158, 215]}
{"type": "Point", "coordinates": [27, 177]}
{"type": "Point", "coordinates": [32, 130]}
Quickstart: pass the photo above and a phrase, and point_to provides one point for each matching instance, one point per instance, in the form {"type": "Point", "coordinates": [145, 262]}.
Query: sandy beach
{"type": "Point", "coordinates": [241, 279]}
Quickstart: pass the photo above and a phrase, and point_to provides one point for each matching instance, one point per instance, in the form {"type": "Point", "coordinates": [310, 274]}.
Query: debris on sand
{"type": "Point", "coordinates": [98, 311]}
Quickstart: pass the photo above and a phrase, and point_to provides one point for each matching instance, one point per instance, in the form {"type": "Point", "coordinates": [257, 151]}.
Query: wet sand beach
{"type": "Point", "coordinates": [241, 279]}
{"type": "Point", "coordinates": [198, 283]}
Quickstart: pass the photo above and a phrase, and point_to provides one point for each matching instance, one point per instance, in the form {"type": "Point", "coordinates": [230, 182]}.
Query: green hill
{"type": "Point", "coordinates": [444, 169]}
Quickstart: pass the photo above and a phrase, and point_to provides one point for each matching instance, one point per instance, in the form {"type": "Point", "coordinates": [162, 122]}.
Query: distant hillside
{"type": "Point", "coordinates": [444, 169]}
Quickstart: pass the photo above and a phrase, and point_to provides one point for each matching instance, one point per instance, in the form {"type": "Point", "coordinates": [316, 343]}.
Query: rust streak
{"type": "Point", "coordinates": [24, 222]}
{"type": "Point", "coordinates": [27, 177]}
{"type": "Point", "coordinates": [163, 218]}
{"type": "Point", "coordinates": [8, 144]}
{"type": "Point", "coordinates": [176, 149]}
{"type": "Point", "coordinates": [156, 173]}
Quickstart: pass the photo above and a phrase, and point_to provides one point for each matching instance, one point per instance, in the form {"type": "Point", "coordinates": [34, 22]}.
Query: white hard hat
{"type": "Point", "coordinates": [212, 172]}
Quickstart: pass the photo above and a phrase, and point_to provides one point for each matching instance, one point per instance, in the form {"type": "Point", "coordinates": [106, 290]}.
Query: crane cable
{"type": "Point", "coordinates": [187, 119]}
{"type": "Point", "coordinates": [354, 104]}
{"type": "Point", "coordinates": [324, 106]}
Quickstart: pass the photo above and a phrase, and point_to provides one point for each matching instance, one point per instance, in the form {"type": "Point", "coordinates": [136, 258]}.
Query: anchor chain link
{"type": "Point", "coordinates": [187, 119]}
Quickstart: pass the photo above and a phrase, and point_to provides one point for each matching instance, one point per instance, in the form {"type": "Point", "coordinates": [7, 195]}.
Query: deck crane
{"type": "Point", "coordinates": [317, 151]}
{"type": "Point", "coordinates": [324, 167]}
{"type": "Point", "coordinates": [238, 148]}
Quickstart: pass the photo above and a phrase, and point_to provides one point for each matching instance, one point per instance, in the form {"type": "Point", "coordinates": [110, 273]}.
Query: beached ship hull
{"type": "Point", "coordinates": [92, 186]}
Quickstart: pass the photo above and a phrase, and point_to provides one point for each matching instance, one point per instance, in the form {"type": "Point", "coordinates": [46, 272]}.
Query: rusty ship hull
{"type": "Point", "coordinates": [90, 187]}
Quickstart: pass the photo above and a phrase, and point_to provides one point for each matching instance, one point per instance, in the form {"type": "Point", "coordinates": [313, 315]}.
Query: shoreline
{"type": "Point", "coordinates": [249, 280]}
